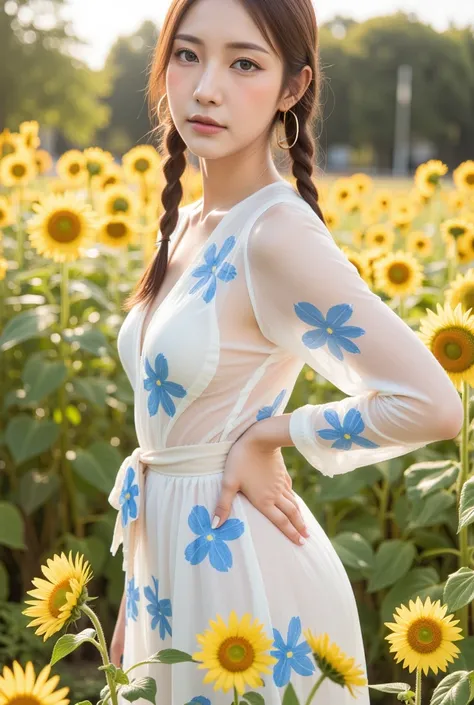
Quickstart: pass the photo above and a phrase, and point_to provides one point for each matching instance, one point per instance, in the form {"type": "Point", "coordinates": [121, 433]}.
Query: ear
{"type": "Point", "coordinates": [300, 84]}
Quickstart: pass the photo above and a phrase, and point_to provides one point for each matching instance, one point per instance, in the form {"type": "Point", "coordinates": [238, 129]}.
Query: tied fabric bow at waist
{"type": "Point", "coordinates": [127, 493]}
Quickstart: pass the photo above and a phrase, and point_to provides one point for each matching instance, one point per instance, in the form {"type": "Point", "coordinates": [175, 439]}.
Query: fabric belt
{"type": "Point", "coordinates": [127, 493]}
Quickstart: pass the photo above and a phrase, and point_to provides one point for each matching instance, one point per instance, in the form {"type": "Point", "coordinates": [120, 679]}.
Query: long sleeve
{"type": "Point", "coordinates": [310, 300]}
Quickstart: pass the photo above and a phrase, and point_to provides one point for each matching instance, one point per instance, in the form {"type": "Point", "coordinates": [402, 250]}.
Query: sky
{"type": "Point", "coordinates": [100, 22]}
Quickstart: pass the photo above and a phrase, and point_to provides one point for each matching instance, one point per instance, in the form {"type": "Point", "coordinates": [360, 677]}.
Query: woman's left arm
{"type": "Point", "coordinates": [310, 300]}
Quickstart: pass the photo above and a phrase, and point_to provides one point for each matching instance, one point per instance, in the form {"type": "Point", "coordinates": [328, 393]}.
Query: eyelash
{"type": "Point", "coordinates": [180, 51]}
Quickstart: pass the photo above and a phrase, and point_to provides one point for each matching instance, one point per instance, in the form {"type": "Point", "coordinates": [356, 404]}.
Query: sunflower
{"type": "Point", "coordinates": [29, 131]}
{"type": "Point", "coordinates": [398, 274]}
{"type": "Point", "coordinates": [461, 291]}
{"type": "Point", "coordinates": [43, 161]}
{"type": "Point", "coordinates": [456, 200]}
{"type": "Point", "coordinates": [97, 161]}
{"type": "Point", "coordinates": [21, 687]}
{"type": "Point", "coordinates": [383, 200]}
{"type": "Point", "coordinates": [423, 636]}
{"type": "Point", "coordinates": [141, 162]}
{"type": "Point", "coordinates": [449, 334]}
{"type": "Point", "coordinates": [357, 237]}
{"type": "Point", "coordinates": [112, 176]}
{"type": "Point", "coordinates": [463, 176]}
{"type": "Point", "coordinates": [331, 217]}
{"type": "Point", "coordinates": [334, 663]}
{"type": "Point", "coordinates": [455, 228]}
{"type": "Point", "coordinates": [116, 231]}
{"type": "Point", "coordinates": [344, 192]}
{"type": "Point", "coordinates": [360, 262]}
{"type": "Point", "coordinates": [363, 183]}
{"type": "Point", "coordinates": [71, 168]}
{"type": "Point", "coordinates": [10, 142]}
{"type": "Point", "coordinates": [6, 212]}
{"type": "Point", "coordinates": [402, 213]}
{"type": "Point", "coordinates": [428, 175]}
{"type": "Point", "coordinates": [465, 244]}
{"type": "Point", "coordinates": [119, 200]}
{"type": "Point", "coordinates": [18, 168]}
{"type": "Point", "coordinates": [3, 267]}
{"type": "Point", "coordinates": [236, 654]}
{"type": "Point", "coordinates": [371, 214]}
{"type": "Point", "coordinates": [379, 235]}
{"type": "Point", "coordinates": [59, 597]}
{"type": "Point", "coordinates": [62, 228]}
{"type": "Point", "coordinates": [419, 243]}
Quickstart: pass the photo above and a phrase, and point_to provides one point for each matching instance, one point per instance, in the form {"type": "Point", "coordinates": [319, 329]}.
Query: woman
{"type": "Point", "coordinates": [213, 345]}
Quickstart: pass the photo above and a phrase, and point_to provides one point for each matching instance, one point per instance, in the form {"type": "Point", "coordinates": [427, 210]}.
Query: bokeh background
{"type": "Point", "coordinates": [80, 184]}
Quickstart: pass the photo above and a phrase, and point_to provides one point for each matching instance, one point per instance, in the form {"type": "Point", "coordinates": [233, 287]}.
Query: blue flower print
{"type": "Point", "coordinates": [128, 497]}
{"type": "Point", "coordinates": [329, 330]}
{"type": "Point", "coordinates": [211, 541]}
{"type": "Point", "coordinates": [346, 434]}
{"type": "Point", "coordinates": [159, 609]}
{"type": "Point", "coordinates": [132, 597]}
{"type": "Point", "coordinates": [200, 700]}
{"type": "Point", "coordinates": [213, 268]}
{"type": "Point", "coordinates": [291, 655]}
{"type": "Point", "coordinates": [266, 411]}
{"type": "Point", "coordinates": [160, 388]}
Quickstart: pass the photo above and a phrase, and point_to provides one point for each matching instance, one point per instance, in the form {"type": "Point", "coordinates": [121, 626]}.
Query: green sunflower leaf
{"type": "Point", "coordinates": [466, 505]}
{"type": "Point", "coordinates": [140, 688]}
{"type": "Point", "coordinates": [459, 589]}
{"type": "Point", "coordinates": [68, 643]}
{"type": "Point", "coordinates": [452, 690]}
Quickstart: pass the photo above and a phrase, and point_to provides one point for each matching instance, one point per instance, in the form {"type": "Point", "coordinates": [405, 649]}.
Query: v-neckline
{"type": "Point", "coordinates": [206, 243]}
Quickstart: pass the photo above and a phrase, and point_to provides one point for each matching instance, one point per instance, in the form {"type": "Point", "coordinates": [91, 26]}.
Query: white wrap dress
{"type": "Point", "coordinates": [203, 377]}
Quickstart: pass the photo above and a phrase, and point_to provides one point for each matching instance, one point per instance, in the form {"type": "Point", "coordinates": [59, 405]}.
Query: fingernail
{"type": "Point", "coordinates": [302, 540]}
{"type": "Point", "coordinates": [215, 521]}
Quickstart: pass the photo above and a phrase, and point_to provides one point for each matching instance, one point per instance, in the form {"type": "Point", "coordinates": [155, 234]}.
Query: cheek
{"type": "Point", "coordinates": [259, 97]}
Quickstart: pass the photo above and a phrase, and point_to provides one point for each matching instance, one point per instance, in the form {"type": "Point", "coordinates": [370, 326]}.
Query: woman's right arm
{"type": "Point", "coordinates": [118, 638]}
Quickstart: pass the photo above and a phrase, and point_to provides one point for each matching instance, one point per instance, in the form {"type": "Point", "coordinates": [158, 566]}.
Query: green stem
{"type": "Point", "coordinates": [401, 308]}
{"type": "Point", "coordinates": [63, 440]}
{"type": "Point", "coordinates": [21, 231]}
{"type": "Point", "coordinates": [384, 496]}
{"type": "Point", "coordinates": [418, 687]}
{"type": "Point", "coordinates": [236, 696]}
{"type": "Point", "coordinates": [462, 477]}
{"type": "Point", "coordinates": [315, 688]}
{"type": "Point", "coordinates": [103, 649]}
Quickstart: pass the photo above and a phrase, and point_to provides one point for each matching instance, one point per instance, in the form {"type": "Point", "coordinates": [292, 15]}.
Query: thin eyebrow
{"type": "Point", "coordinates": [229, 45]}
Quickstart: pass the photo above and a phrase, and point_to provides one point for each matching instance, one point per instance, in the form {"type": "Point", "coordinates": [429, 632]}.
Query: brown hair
{"type": "Point", "coordinates": [293, 25]}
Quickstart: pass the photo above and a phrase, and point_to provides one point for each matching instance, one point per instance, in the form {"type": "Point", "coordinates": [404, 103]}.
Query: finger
{"type": "Point", "coordinates": [289, 506]}
{"type": "Point", "coordinates": [224, 504]}
{"type": "Point", "coordinates": [288, 480]}
{"type": "Point", "coordinates": [282, 522]}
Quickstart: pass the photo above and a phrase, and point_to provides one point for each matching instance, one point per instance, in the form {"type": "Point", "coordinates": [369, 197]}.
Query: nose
{"type": "Point", "coordinates": [207, 90]}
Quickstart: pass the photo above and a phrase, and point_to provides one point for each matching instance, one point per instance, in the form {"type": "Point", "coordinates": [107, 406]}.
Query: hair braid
{"type": "Point", "coordinates": [302, 154]}
{"type": "Point", "coordinates": [171, 195]}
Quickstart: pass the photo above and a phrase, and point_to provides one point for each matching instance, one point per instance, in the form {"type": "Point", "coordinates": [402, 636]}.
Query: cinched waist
{"type": "Point", "coordinates": [127, 494]}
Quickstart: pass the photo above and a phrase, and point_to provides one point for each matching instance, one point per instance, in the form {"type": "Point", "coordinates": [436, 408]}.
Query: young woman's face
{"type": "Point", "coordinates": [237, 87]}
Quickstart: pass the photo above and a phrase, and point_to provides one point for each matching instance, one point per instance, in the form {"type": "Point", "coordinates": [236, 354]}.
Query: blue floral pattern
{"type": "Point", "coordinates": [160, 388]}
{"type": "Point", "coordinates": [128, 497]}
{"type": "Point", "coordinates": [214, 268]}
{"type": "Point", "coordinates": [132, 597]}
{"type": "Point", "coordinates": [291, 655]}
{"type": "Point", "coordinates": [159, 609]}
{"type": "Point", "coordinates": [201, 700]}
{"type": "Point", "coordinates": [211, 541]}
{"type": "Point", "coordinates": [347, 433]}
{"type": "Point", "coordinates": [330, 330]}
{"type": "Point", "coordinates": [266, 411]}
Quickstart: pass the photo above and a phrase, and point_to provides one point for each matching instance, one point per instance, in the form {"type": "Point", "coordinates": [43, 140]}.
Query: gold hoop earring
{"type": "Point", "coordinates": [158, 108]}
{"type": "Point", "coordinates": [297, 130]}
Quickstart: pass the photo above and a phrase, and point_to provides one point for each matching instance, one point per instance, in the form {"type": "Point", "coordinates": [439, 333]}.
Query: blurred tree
{"type": "Point", "coordinates": [465, 146]}
{"type": "Point", "coordinates": [128, 62]}
{"type": "Point", "coordinates": [39, 79]}
{"type": "Point", "coordinates": [442, 77]}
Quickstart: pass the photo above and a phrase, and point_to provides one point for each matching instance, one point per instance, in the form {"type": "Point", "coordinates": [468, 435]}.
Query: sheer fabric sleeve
{"type": "Point", "coordinates": [310, 300]}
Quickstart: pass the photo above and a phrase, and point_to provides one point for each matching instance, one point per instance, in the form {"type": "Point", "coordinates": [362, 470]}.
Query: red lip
{"type": "Point", "coordinates": [204, 120]}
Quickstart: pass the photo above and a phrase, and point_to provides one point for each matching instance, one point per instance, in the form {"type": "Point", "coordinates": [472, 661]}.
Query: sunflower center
{"type": "Point", "coordinates": [379, 238]}
{"type": "Point", "coordinates": [420, 244]}
{"type": "Point", "coordinates": [116, 230]}
{"type": "Point", "coordinates": [110, 181]}
{"type": "Point", "coordinates": [94, 168]}
{"type": "Point", "coordinates": [23, 700]}
{"type": "Point", "coordinates": [424, 636]}
{"type": "Point", "coordinates": [58, 597]}
{"type": "Point", "coordinates": [2, 214]}
{"type": "Point", "coordinates": [142, 165]}
{"type": "Point", "coordinates": [236, 654]}
{"type": "Point", "coordinates": [398, 273]}
{"type": "Point", "coordinates": [457, 230]}
{"type": "Point", "coordinates": [454, 349]}
{"type": "Point", "coordinates": [121, 204]}
{"type": "Point", "coordinates": [74, 169]}
{"type": "Point", "coordinates": [18, 170]}
{"type": "Point", "coordinates": [64, 226]}
{"type": "Point", "coordinates": [470, 179]}
{"type": "Point", "coordinates": [433, 178]}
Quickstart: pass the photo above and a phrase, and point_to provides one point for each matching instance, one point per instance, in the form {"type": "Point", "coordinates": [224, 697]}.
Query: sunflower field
{"type": "Point", "coordinates": [74, 238]}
